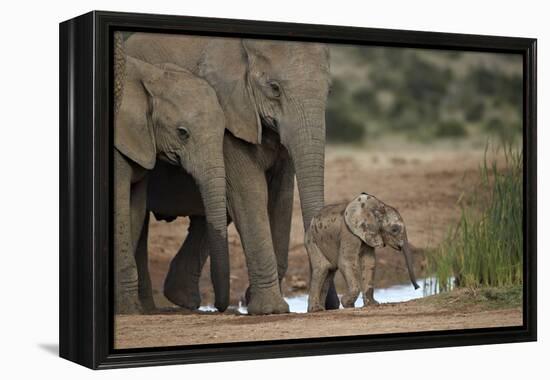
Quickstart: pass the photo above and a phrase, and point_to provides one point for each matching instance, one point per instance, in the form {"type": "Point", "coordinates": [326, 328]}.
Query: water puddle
{"type": "Point", "coordinates": [396, 293]}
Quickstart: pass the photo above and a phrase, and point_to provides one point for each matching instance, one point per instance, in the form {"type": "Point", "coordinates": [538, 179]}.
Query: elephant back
{"type": "Point", "coordinates": [184, 51]}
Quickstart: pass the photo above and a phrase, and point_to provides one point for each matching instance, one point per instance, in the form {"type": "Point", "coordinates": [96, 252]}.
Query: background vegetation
{"type": "Point", "coordinates": [423, 95]}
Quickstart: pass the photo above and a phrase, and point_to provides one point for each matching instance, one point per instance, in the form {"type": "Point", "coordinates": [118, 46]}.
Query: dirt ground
{"type": "Point", "coordinates": [423, 183]}
{"type": "Point", "coordinates": [440, 312]}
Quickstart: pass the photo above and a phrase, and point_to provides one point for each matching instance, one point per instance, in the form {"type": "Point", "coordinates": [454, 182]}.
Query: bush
{"type": "Point", "coordinates": [505, 131]}
{"type": "Point", "coordinates": [450, 128]}
{"type": "Point", "coordinates": [426, 84]}
{"type": "Point", "coordinates": [474, 112]}
{"type": "Point", "coordinates": [505, 88]}
{"type": "Point", "coordinates": [342, 121]}
{"type": "Point", "coordinates": [341, 127]}
{"type": "Point", "coordinates": [494, 125]}
{"type": "Point", "coordinates": [365, 97]}
{"type": "Point", "coordinates": [424, 88]}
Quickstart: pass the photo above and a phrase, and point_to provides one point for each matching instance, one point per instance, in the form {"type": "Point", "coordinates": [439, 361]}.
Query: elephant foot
{"type": "Point", "coordinates": [183, 295]}
{"type": "Point", "coordinates": [368, 299]}
{"type": "Point", "coordinates": [148, 305]}
{"type": "Point", "coordinates": [313, 308]}
{"type": "Point", "coordinates": [348, 301]}
{"type": "Point", "coordinates": [267, 301]}
{"type": "Point", "coordinates": [368, 303]}
{"type": "Point", "coordinates": [126, 304]}
{"type": "Point", "coordinates": [146, 299]}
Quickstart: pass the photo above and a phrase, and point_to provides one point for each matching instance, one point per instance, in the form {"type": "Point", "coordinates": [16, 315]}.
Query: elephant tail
{"type": "Point", "coordinates": [119, 69]}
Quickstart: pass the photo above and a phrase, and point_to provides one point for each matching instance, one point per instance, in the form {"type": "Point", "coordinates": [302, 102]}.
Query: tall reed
{"type": "Point", "coordinates": [485, 247]}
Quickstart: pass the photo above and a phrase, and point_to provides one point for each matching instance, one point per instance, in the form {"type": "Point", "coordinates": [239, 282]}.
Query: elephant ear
{"type": "Point", "coordinates": [134, 135]}
{"type": "Point", "coordinates": [362, 216]}
{"type": "Point", "coordinates": [225, 65]}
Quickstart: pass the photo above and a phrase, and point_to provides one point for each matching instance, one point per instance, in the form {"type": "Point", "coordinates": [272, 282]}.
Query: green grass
{"type": "Point", "coordinates": [485, 247]}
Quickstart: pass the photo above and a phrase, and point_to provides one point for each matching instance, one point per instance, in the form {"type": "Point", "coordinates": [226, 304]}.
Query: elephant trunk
{"type": "Point", "coordinates": [408, 259]}
{"type": "Point", "coordinates": [307, 149]}
{"type": "Point", "coordinates": [213, 194]}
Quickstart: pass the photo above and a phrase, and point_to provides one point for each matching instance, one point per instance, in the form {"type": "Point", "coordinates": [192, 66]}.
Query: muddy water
{"type": "Point", "coordinates": [392, 294]}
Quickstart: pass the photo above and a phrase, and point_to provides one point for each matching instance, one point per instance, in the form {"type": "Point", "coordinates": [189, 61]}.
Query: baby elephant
{"type": "Point", "coordinates": [343, 237]}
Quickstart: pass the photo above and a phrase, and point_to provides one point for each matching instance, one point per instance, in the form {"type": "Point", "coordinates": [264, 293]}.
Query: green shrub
{"type": "Point", "coordinates": [343, 123]}
{"type": "Point", "coordinates": [424, 88]}
{"type": "Point", "coordinates": [450, 128]}
{"type": "Point", "coordinates": [507, 132]}
{"type": "Point", "coordinates": [365, 97]}
{"type": "Point", "coordinates": [474, 112]}
{"type": "Point", "coordinates": [494, 125]}
{"type": "Point", "coordinates": [341, 126]}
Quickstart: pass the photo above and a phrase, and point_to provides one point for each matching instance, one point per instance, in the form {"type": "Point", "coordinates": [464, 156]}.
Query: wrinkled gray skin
{"type": "Point", "coordinates": [343, 237]}
{"type": "Point", "coordinates": [273, 95]}
{"type": "Point", "coordinates": [164, 114]}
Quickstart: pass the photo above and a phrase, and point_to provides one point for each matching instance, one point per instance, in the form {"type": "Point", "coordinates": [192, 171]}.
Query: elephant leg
{"type": "Point", "coordinates": [318, 278]}
{"type": "Point", "coordinates": [319, 275]}
{"type": "Point", "coordinates": [181, 286]}
{"type": "Point", "coordinates": [349, 298]}
{"type": "Point", "coordinates": [368, 268]}
{"type": "Point", "coordinates": [320, 269]}
{"type": "Point", "coordinates": [348, 263]}
{"type": "Point", "coordinates": [247, 200]}
{"type": "Point", "coordinates": [280, 202]}
{"type": "Point", "coordinates": [126, 276]}
{"type": "Point", "coordinates": [329, 281]}
{"type": "Point", "coordinates": [145, 288]}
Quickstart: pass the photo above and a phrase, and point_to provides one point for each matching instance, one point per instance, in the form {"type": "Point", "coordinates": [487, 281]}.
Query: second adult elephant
{"type": "Point", "coordinates": [274, 86]}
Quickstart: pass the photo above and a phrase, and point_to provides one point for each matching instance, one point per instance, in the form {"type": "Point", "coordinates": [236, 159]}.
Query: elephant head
{"type": "Point", "coordinates": [377, 225]}
{"type": "Point", "coordinates": [279, 85]}
{"type": "Point", "coordinates": [168, 113]}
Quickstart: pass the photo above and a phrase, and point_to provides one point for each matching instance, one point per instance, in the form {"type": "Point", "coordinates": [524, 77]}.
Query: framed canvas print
{"type": "Point", "coordinates": [238, 189]}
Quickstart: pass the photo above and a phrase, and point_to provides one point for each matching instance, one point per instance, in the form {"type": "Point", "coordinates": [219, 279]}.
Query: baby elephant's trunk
{"type": "Point", "coordinates": [408, 259]}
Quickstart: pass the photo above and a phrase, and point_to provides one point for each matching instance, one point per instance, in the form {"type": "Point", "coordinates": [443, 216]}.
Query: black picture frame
{"type": "Point", "coordinates": [86, 312]}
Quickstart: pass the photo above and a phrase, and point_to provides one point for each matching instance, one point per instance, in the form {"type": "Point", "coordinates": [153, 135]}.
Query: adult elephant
{"type": "Point", "coordinates": [164, 113]}
{"type": "Point", "coordinates": [262, 86]}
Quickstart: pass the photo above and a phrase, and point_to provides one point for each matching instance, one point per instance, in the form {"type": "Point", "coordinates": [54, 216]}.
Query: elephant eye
{"type": "Point", "coordinates": [183, 133]}
{"type": "Point", "coordinates": [275, 89]}
{"type": "Point", "coordinates": [395, 229]}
